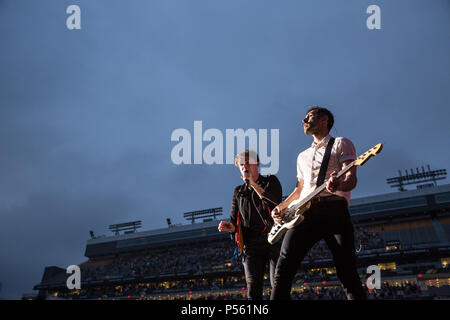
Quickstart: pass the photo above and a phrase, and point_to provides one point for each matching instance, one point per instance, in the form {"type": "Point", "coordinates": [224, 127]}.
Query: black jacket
{"type": "Point", "coordinates": [255, 213]}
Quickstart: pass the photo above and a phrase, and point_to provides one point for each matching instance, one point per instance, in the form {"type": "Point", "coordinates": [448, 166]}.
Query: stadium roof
{"type": "Point", "coordinates": [171, 230]}
{"type": "Point", "coordinates": [401, 200]}
{"type": "Point", "coordinates": [104, 246]}
{"type": "Point", "coordinates": [402, 195]}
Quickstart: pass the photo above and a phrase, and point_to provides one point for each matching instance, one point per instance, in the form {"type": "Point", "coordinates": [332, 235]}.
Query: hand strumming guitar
{"type": "Point", "coordinates": [278, 213]}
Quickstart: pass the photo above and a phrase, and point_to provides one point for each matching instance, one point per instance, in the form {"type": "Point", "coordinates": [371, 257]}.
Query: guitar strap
{"type": "Point", "coordinates": [324, 166]}
{"type": "Point", "coordinates": [264, 185]}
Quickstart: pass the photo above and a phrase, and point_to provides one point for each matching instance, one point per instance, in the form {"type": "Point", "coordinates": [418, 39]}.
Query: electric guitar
{"type": "Point", "coordinates": [238, 236]}
{"type": "Point", "coordinates": [294, 213]}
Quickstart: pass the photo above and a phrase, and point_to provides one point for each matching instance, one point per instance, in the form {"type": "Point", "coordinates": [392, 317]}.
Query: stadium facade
{"type": "Point", "coordinates": [406, 234]}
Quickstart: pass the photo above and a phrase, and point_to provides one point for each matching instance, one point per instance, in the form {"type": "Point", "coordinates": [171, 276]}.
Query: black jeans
{"type": "Point", "coordinates": [329, 221]}
{"type": "Point", "coordinates": [254, 261]}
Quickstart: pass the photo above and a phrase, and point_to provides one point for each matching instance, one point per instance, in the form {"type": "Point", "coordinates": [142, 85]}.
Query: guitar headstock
{"type": "Point", "coordinates": [368, 154]}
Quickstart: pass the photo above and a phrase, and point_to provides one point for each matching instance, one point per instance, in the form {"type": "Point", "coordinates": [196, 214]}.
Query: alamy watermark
{"type": "Point", "coordinates": [213, 151]}
{"type": "Point", "coordinates": [73, 281]}
{"type": "Point", "coordinates": [374, 280]}
{"type": "Point", "coordinates": [373, 22]}
{"type": "Point", "coordinates": [73, 21]}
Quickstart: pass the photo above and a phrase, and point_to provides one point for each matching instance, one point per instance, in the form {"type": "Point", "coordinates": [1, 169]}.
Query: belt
{"type": "Point", "coordinates": [320, 199]}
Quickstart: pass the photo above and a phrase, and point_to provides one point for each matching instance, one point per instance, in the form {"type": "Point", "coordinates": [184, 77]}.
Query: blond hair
{"type": "Point", "coordinates": [246, 156]}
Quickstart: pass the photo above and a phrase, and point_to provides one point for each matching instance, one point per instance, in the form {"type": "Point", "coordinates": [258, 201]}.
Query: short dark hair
{"type": "Point", "coordinates": [323, 112]}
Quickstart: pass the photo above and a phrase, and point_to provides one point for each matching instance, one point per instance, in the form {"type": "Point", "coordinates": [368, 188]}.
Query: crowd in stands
{"type": "Point", "coordinates": [213, 271]}
{"type": "Point", "coordinates": [364, 240]}
{"type": "Point", "coordinates": [211, 291]}
{"type": "Point", "coordinates": [190, 259]}
{"type": "Point", "coordinates": [386, 292]}
{"type": "Point", "coordinates": [193, 260]}
{"type": "Point", "coordinates": [198, 258]}
{"type": "Point", "coordinates": [367, 240]}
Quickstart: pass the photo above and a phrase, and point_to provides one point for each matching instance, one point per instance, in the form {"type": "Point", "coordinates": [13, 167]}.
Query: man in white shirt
{"type": "Point", "coordinates": [328, 217]}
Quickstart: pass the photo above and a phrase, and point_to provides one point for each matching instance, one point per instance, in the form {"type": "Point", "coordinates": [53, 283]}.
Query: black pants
{"type": "Point", "coordinates": [329, 221]}
{"type": "Point", "coordinates": [254, 261]}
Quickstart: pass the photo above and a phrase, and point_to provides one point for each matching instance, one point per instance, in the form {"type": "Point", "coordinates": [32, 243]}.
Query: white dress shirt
{"type": "Point", "coordinates": [310, 160]}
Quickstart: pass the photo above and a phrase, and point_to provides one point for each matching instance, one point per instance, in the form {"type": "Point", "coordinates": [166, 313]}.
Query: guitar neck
{"type": "Point", "coordinates": [322, 187]}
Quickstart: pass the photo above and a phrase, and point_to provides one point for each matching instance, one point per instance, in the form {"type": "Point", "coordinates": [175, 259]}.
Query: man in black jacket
{"type": "Point", "coordinates": [251, 206]}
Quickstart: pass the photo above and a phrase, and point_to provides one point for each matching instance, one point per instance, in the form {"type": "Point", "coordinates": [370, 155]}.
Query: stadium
{"type": "Point", "coordinates": [405, 233]}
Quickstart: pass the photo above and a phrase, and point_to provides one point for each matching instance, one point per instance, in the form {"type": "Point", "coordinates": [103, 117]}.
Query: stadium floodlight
{"type": "Point", "coordinates": [214, 212]}
{"type": "Point", "coordinates": [127, 227]}
{"type": "Point", "coordinates": [417, 177]}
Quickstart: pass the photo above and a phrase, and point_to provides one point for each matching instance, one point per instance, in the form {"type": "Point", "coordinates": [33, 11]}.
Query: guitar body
{"type": "Point", "coordinates": [239, 237]}
{"type": "Point", "coordinates": [293, 217]}
{"type": "Point", "coordinates": [294, 214]}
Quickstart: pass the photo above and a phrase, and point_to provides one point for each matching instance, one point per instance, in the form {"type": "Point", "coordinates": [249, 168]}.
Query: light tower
{"type": "Point", "coordinates": [417, 177]}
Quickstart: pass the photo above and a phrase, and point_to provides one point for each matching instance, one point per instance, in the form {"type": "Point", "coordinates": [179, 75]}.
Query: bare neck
{"type": "Point", "coordinates": [319, 136]}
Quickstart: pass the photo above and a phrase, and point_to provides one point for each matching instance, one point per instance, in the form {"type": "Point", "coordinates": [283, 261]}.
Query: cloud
{"type": "Point", "coordinates": [86, 117]}
{"type": "Point", "coordinates": [51, 228]}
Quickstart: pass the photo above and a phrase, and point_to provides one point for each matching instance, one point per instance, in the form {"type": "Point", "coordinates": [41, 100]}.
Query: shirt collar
{"type": "Point", "coordinates": [322, 142]}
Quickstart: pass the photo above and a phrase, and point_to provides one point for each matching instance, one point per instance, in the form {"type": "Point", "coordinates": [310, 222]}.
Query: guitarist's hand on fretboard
{"type": "Point", "coordinates": [333, 182]}
{"type": "Point", "coordinates": [344, 182]}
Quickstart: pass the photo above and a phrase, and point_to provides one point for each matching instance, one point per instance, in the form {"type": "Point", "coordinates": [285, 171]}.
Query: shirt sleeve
{"type": "Point", "coordinates": [347, 150]}
{"type": "Point", "coordinates": [299, 169]}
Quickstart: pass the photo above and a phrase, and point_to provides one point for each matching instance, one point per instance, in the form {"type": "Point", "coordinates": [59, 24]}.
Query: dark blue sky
{"type": "Point", "coordinates": [86, 115]}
